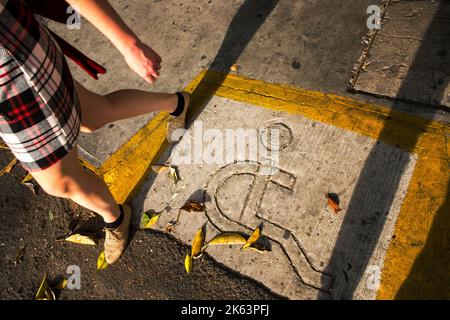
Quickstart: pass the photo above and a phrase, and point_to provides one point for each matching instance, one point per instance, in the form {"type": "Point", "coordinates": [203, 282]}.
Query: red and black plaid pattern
{"type": "Point", "coordinates": [39, 108]}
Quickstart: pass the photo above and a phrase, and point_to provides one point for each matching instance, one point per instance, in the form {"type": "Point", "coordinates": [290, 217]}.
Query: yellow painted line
{"type": "Point", "coordinates": [125, 170]}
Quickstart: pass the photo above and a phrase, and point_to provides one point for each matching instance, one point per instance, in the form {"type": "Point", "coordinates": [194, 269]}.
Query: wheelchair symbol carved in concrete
{"type": "Point", "coordinates": [246, 216]}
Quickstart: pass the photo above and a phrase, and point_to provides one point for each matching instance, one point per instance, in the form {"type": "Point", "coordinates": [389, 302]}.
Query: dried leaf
{"type": "Point", "coordinates": [27, 178]}
{"type": "Point", "coordinates": [193, 207]}
{"type": "Point", "coordinates": [253, 238]}
{"type": "Point", "coordinates": [80, 239]}
{"type": "Point", "coordinates": [197, 244]}
{"type": "Point", "coordinates": [3, 146]}
{"type": "Point", "coordinates": [332, 203]}
{"type": "Point", "coordinates": [234, 67]}
{"type": "Point", "coordinates": [27, 182]}
{"type": "Point", "coordinates": [45, 292]}
{"type": "Point", "coordinates": [149, 218]}
{"type": "Point", "coordinates": [159, 168]}
{"type": "Point", "coordinates": [51, 216]}
{"type": "Point", "coordinates": [188, 263]}
{"type": "Point", "coordinates": [170, 228]}
{"type": "Point", "coordinates": [8, 167]}
{"type": "Point", "coordinates": [101, 261]}
{"type": "Point", "coordinates": [19, 256]}
{"type": "Point", "coordinates": [61, 285]}
{"type": "Point", "coordinates": [173, 174]}
{"type": "Point", "coordinates": [226, 238]}
{"type": "Point", "coordinates": [30, 186]}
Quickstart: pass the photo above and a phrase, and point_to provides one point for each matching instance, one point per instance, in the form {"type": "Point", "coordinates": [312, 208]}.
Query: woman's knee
{"type": "Point", "coordinates": [93, 121]}
{"type": "Point", "coordinates": [60, 179]}
{"type": "Point", "coordinates": [89, 127]}
{"type": "Point", "coordinates": [95, 108]}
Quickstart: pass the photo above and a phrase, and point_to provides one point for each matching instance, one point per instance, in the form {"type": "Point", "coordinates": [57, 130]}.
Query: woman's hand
{"type": "Point", "coordinates": [140, 57]}
{"type": "Point", "coordinates": [144, 61]}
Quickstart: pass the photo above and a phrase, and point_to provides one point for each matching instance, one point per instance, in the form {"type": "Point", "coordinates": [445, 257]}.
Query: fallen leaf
{"type": "Point", "coordinates": [30, 186]}
{"type": "Point", "coordinates": [101, 261]}
{"type": "Point", "coordinates": [50, 216]}
{"type": "Point", "coordinates": [170, 228]}
{"type": "Point", "coordinates": [45, 292]}
{"type": "Point", "coordinates": [27, 178]}
{"type": "Point", "coordinates": [332, 203]}
{"type": "Point", "coordinates": [188, 263]}
{"type": "Point", "coordinates": [149, 218]}
{"type": "Point", "coordinates": [193, 206]}
{"type": "Point", "coordinates": [197, 244]}
{"type": "Point", "coordinates": [27, 181]}
{"type": "Point", "coordinates": [8, 167]}
{"type": "Point", "coordinates": [159, 168]}
{"type": "Point", "coordinates": [80, 239]}
{"type": "Point", "coordinates": [19, 256]}
{"type": "Point", "coordinates": [62, 284]}
{"type": "Point", "coordinates": [173, 174]}
{"type": "Point", "coordinates": [253, 238]}
{"type": "Point", "coordinates": [234, 67]}
{"type": "Point", "coordinates": [226, 238]}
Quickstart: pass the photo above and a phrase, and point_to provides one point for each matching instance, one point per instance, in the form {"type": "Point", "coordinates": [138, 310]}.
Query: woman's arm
{"type": "Point", "coordinates": [140, 57]}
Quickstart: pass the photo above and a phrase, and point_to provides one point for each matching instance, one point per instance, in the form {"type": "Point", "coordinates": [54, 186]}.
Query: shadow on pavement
{"type": "Point", "coordinates": [429, 269]}
{"type": "Point", "coordinates": [246, 22]}
{"type": "Point", "coordinates": [429, 277]}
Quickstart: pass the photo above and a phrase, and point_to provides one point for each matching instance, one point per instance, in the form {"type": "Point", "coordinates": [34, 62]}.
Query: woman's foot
{"type": "Point", "coordinates": [116, 239]}
{"type": "Point", "coordinates": [178, 122]}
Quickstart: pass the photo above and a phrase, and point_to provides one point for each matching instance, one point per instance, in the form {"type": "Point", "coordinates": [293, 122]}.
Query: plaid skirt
{"type": "Point", "coordinates": [39, 107]}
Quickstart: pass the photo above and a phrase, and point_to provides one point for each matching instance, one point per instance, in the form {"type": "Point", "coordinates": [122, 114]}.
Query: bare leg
{"type": "Point", "coordinates": [68, 179]}
{"type": "Point", "coordinates": [99, 110]}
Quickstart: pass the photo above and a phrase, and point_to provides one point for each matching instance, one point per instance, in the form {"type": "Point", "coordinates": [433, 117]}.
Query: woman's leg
{"type": "Point", "coordinates": [98, 110]}
{"type": "Point", "coordinates": [68, 179]}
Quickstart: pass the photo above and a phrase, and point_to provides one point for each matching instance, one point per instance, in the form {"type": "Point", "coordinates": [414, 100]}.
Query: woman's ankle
{"type": "Point", "coordinates": [117, 222]}
{"type": "Point", "coordinates": [112, 214]}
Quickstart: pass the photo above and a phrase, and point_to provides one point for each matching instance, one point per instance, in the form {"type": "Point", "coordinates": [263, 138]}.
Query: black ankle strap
{"type": "Point", "coordinates": [180, 107]}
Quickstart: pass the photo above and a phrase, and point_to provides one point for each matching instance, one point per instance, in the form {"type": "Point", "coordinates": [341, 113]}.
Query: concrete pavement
{"type": "Point", "coordinates": [291, 204]}
{"type": "Point", "coordinates": [307, 44]}
{"type": "Point", "coordinates": [408, 58]}
{"type": "Point", "coordinates": [389, 168]}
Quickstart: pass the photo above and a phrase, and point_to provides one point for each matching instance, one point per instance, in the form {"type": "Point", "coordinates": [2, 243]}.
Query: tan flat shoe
{"type": "Point", "coordinates": [116, 240]}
